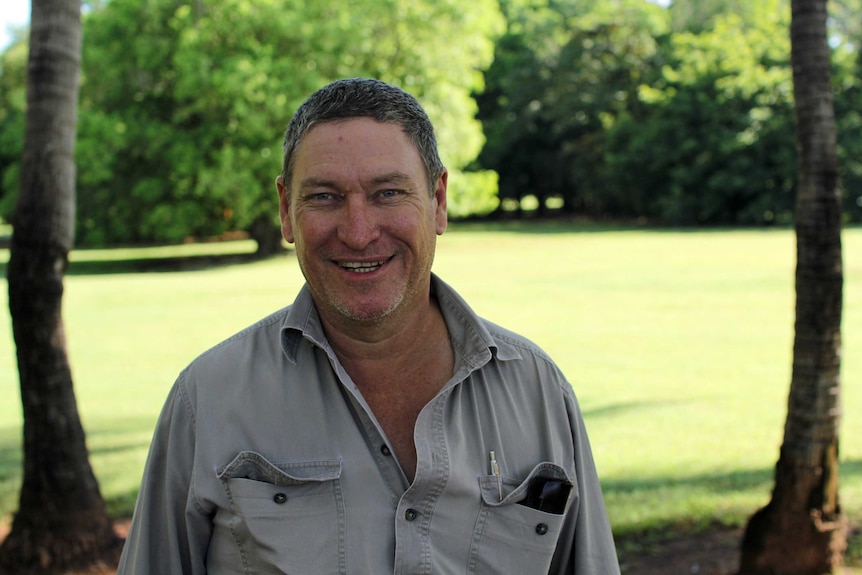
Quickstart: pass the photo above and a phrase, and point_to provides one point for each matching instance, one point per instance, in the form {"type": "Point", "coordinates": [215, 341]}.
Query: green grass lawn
{"type": "Point", "coordinates": [678, 344]}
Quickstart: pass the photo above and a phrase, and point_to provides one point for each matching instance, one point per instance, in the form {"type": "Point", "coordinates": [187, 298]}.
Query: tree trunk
{"type": "Point", "coordinates": [802, 530]}
{"type": "Point", "coordinates": [267, 234]}
{"type": "Point", "coordinates": [61, 522]}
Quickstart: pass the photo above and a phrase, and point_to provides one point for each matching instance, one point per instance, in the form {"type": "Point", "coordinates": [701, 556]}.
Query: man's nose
{"type": "Point", "coordinates": [359, 224]}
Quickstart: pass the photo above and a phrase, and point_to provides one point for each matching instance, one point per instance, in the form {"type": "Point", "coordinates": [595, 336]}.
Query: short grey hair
{"type": "Point", "coordinates": [364, 98]}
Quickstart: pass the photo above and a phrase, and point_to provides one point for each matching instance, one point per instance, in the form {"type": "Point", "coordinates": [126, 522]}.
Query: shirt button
{"type": "Point", "coordinates": [411, 515]}
{"type": "Point", "coordinates": [279, 498]}
{"type": "Point", "coordinates": [541, 528]}
{"type": "Point", "coordinates": [384, 449]}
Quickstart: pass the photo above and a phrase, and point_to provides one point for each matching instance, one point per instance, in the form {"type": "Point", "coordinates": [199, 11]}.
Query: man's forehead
{"type": "Point", "coordinates": [363, 139]}
{"type": "Point", "coordinates": [369, 121]}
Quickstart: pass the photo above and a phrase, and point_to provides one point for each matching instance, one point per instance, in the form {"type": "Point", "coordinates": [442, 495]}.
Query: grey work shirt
{"type": "Point", "coordinates": [266, 459]}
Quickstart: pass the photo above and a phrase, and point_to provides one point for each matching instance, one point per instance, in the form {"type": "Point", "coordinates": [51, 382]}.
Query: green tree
{"type": "Point", "coordinates": [697, 16]}
{"type": "Point", "coordinates": [125, 136]}
{"type": "Point", "coordinates": [61, 521]}
{"type": "Point", "coordinates": [518, 148]}
{"type": "Point", "coordinates": [563, 74]}
{"type": "Point", "coordinates": [845, 33]}
{"type": "Point", "coordinates": [615, 49]}
{"type": "Point", "coordinates": [708, 147]}
{"type": "Point", "coordinates": [13, 105]}
{"type": "Point", "coordinates": [184, 104]}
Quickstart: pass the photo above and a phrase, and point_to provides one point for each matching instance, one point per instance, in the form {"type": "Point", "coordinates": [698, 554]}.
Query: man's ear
{"type": "Point", "coordinates": [442, 220]}
{"type": "Point", "coordinates": [284, 210]}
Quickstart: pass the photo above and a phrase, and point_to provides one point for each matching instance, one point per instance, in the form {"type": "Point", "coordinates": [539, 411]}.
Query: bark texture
{"type": "Point", "coordinates": [802, 530]}
{"type": "Point", "coordinates": [61, 523]}
{"type": "Point", "coordinates": [267, 234]}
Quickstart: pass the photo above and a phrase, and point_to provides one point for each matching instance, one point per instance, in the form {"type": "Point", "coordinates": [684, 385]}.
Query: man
{"type": "Point", "coordinates": [377, 425]}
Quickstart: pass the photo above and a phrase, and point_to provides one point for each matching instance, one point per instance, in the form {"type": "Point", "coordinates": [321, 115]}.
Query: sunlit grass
{"type": "Point", "coordinates": [678, 345]}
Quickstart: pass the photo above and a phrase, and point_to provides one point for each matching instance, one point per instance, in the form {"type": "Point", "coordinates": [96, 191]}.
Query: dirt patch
{"type": "Point", "coordinates": [715, 552]}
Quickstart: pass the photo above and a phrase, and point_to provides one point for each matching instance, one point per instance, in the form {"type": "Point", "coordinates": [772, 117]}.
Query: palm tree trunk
{"type": "Point", "coordinates": [802, 530]}
{"type": "Point", "coordinates": [61, 522]}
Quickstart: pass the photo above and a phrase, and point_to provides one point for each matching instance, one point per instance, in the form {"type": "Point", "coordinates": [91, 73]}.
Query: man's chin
{"type": "Point", "coordinates": [366, 313]}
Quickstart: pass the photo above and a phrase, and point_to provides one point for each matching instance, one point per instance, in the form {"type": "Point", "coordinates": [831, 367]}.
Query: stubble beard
{"type": "Point", "coordinates": [328, 298]}
{"type": "Point", "coordinates": [370, 317]}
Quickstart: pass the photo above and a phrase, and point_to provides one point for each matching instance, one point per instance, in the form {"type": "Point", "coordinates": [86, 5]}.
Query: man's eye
{"type": "Point", "coordinates": [390, 194]}
{"type": "Point", "coordinates": [321, 197]}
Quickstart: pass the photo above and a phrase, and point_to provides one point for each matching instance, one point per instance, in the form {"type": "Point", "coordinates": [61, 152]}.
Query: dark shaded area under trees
{"type": "Point", "coordinates": [680, 116]}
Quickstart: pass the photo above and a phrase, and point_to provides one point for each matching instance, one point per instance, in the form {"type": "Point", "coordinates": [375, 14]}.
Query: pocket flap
{"type": "Point", "coordinates": [254, 466]}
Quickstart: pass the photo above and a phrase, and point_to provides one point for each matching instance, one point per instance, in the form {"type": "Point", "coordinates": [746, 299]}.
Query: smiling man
{"type": "Point", "coordinates": [376, 425]}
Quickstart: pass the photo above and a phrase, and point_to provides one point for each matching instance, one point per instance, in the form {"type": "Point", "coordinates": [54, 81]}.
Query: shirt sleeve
{"type": "Point", "coordinates": [586, 545]}
{"type": "Point", "coordinates": [169, 532]}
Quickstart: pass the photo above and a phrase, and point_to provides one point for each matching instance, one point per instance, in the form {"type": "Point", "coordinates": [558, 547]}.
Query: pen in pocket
{"type": "Point", "coordinates": [495, 471]}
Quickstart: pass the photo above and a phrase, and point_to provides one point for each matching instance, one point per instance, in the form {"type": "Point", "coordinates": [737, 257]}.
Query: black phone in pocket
{"type": "Point", "coordinates": [547, 494]}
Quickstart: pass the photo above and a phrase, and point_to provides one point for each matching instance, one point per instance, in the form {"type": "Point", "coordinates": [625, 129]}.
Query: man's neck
{"type": "Point", "coordinates": [398, 368]}
{"type": "Point", "coordinates": [399, 335]}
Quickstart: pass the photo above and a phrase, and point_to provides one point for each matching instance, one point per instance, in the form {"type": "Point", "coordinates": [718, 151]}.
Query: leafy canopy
{"type": "Point", "coordinates": [183, 105]}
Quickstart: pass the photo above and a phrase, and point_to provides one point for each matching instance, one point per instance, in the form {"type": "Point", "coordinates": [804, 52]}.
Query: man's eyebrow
{"type": "Point", "coordinates": [312, 183]}
{"type": "Point", "coordinates": [396, 177]}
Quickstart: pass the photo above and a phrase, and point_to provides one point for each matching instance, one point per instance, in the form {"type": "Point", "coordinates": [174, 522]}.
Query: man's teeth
{"type": "Point", "coordinates": [362, 267]}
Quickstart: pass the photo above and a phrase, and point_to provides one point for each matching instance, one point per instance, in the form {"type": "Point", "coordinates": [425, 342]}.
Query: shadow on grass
{"type": "Point", "coordinates": [107, 439]}
{"type": "Point", "coordinates": [738, 480]}
{"type": "Point", "coordinates": [615, 409]}
{"type": "Point", "coordinates": [577, 224]}
{"type": "Point", "coordinates": [10, 461]}
{"type": "Point", "coordinates": [560, 225]}
{"type": "Point", "coordinates": [709, 484]}
{"type": "Point", "coordinates": [158, 265]}
{"type": "Point", "coordinates": [81, 265]}
{"type": "Point", "coordinates": [851, 468]}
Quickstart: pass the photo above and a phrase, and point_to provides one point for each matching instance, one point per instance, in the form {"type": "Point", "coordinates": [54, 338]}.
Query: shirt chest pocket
{"type": "Point", "coordinates": [285, 517]}
{"type": "Point", "coordinates": [519, 523]}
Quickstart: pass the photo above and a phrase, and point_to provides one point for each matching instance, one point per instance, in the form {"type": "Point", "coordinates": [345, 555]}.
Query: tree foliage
{"type": "Point", "coordinates": [183, 104]}
{"type": "Point", "coordinates": [711, 147]}
{"type": "Point", "coordinates": [563, 74]}
{"type": "Point", "coordinates": [846, 38]}
{"type": "Point", "coordinates": [13, 103]}
{"type": "Point", "coordinates": [680, 115]}
{"type": "Point", "coordinates": [610, 109]}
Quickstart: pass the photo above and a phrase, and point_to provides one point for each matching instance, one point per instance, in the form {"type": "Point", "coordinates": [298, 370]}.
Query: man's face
{"type": "Point", "coordinates": [358, 209]}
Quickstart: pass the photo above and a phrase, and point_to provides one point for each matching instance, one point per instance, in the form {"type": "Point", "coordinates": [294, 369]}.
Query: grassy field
{"type": "Point", "coordinates": [678, 344]}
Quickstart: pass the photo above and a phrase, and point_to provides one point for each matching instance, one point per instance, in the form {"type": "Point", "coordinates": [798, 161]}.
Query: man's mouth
{"type": "Point", "coordinates": [362, 267]}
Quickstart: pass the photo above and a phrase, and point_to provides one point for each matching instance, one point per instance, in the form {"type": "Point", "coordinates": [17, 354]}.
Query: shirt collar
{"type": "Point", "coordinates": [301, 322]}
{"type": "Point", "coordinates": [471, 337]}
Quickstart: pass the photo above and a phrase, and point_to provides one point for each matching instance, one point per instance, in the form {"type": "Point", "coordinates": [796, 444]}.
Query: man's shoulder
{"type": "Point", "coordinates": [514, 340]}
{"type": "Point", "coordinates": [474, 331]}
{"type": "Point", "coordinates": [259, 339]}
